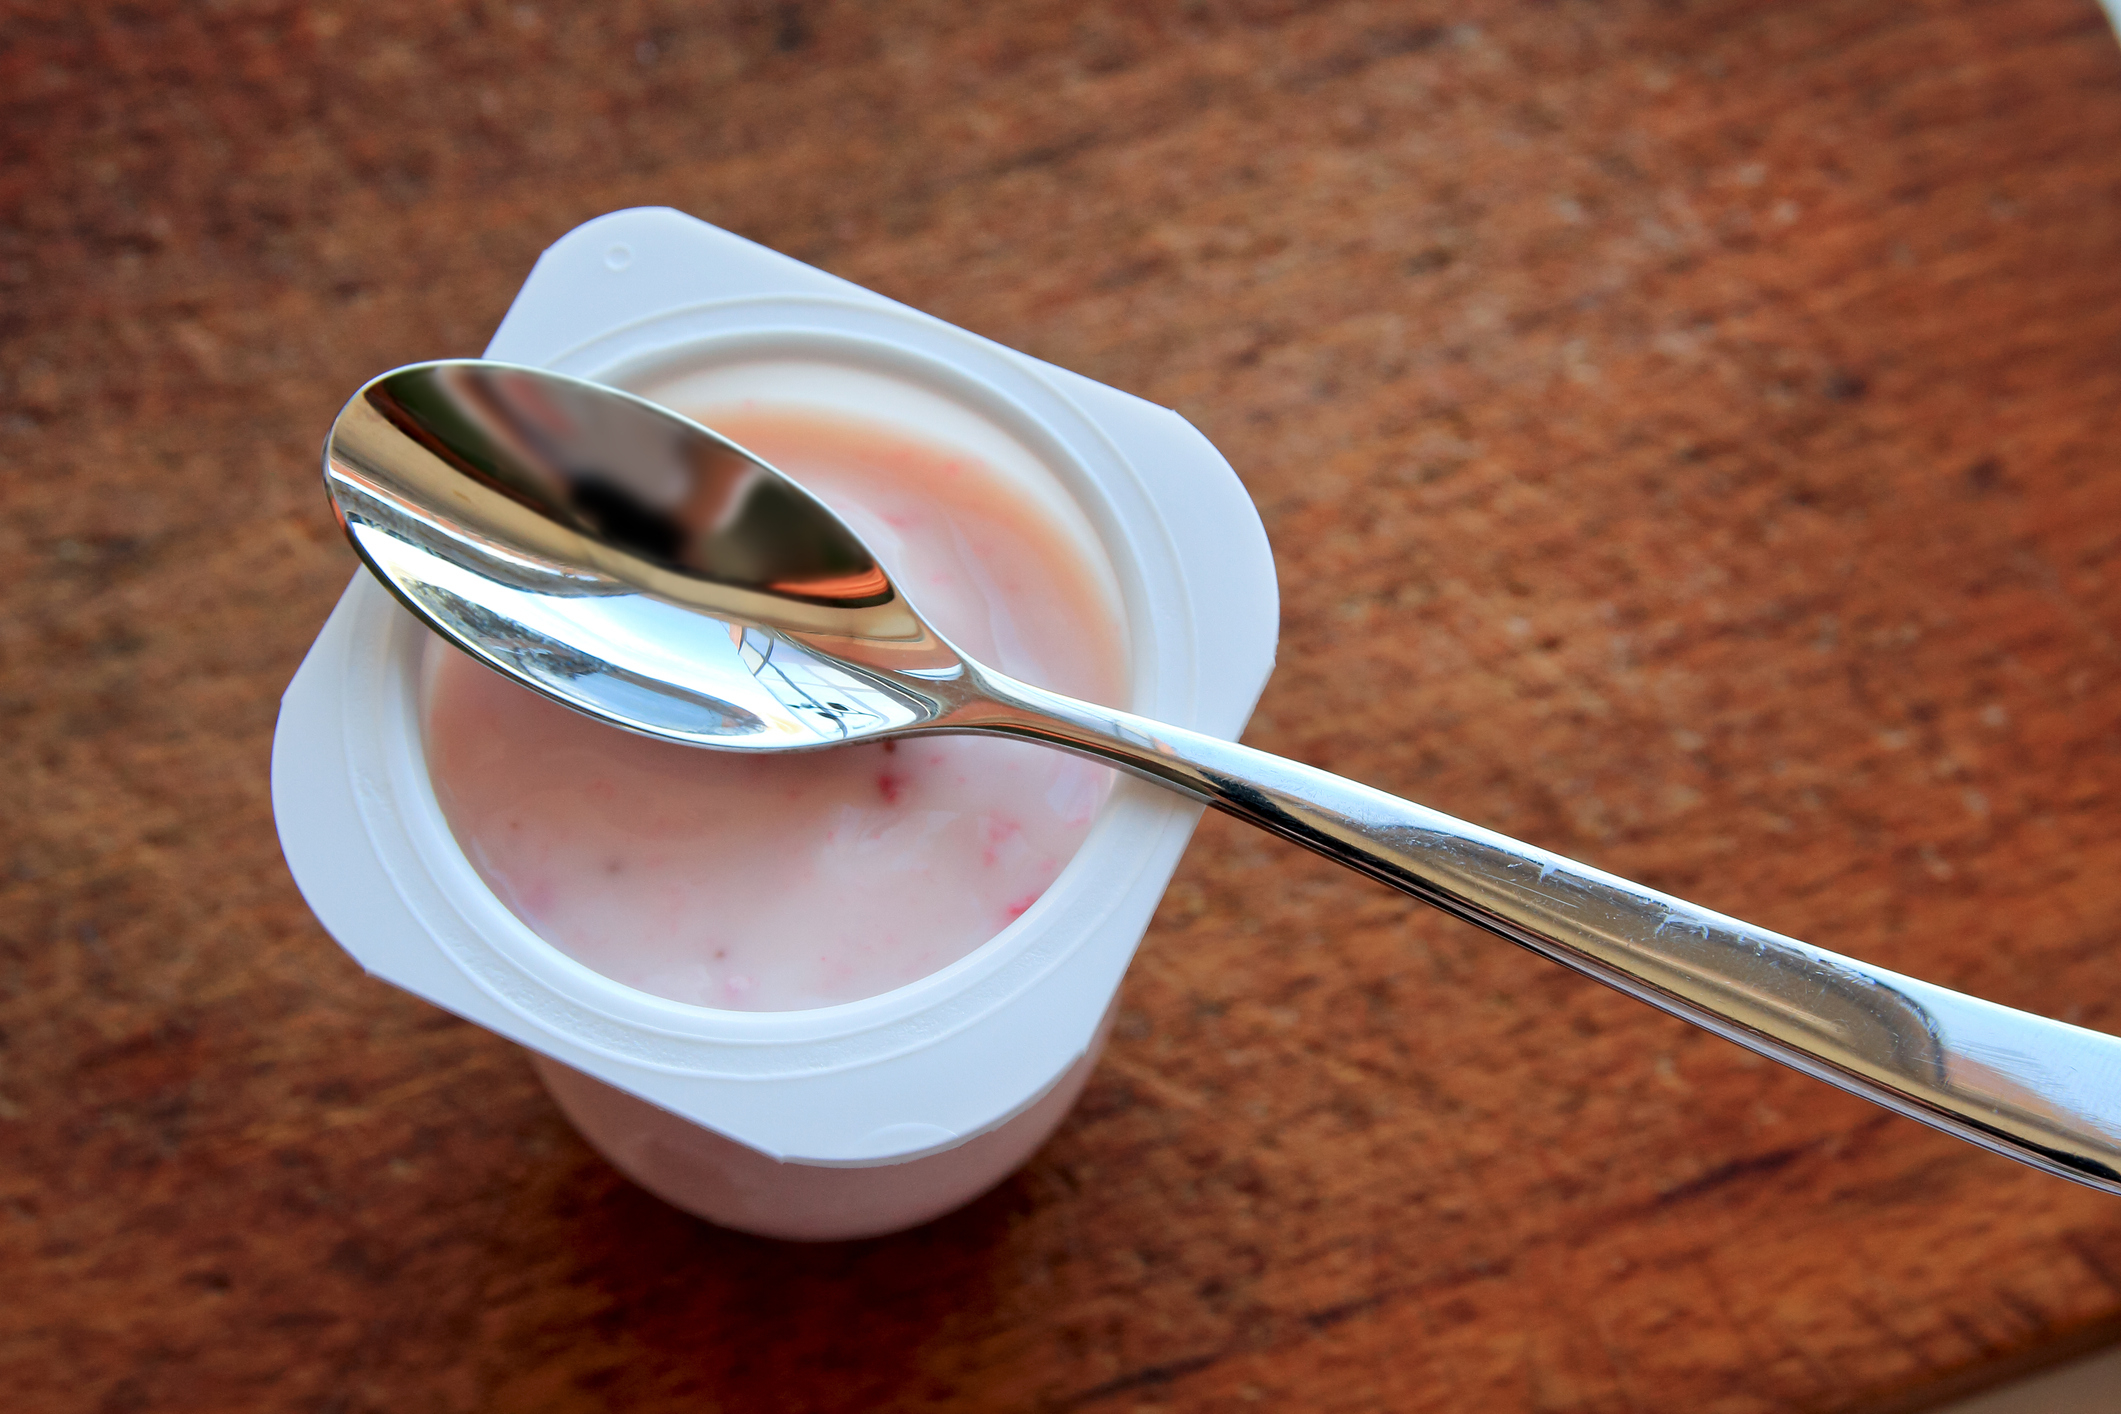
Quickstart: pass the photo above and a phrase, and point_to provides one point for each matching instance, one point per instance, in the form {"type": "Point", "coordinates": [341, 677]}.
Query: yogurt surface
{"type": "Point", "coordinates": [774, 883]}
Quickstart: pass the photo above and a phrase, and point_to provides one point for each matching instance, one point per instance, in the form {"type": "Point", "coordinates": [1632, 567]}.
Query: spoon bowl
{"type": "Point", "coordinates": [638, 567]}
{"type": "Point", "coordinates": [628, 562]}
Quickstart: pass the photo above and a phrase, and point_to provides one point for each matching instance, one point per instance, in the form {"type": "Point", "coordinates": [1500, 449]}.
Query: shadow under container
{"type": "Point", "coordinates": [874, 1115]}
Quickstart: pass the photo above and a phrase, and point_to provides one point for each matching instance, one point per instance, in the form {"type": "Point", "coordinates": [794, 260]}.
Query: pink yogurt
{"type": "Point", "coordinates": [774, 883]}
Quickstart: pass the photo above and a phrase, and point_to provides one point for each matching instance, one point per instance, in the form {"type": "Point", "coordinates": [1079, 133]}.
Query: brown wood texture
{"type": "Point", "coordinates": [1689, 435]}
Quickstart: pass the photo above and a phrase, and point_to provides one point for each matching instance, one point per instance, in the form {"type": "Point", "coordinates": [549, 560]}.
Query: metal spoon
{"type": "Point", "coordinates": [639, 568]}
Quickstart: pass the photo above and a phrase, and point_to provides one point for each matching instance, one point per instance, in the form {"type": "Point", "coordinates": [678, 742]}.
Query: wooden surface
{"type": "Point", "coordinates": [1691, 436]}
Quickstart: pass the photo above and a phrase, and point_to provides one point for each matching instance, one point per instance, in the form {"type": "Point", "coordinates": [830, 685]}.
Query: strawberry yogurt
{"type": "Point", "coordinates": [776, 883]}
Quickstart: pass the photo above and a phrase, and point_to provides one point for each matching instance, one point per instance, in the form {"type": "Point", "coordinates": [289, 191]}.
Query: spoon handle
{"type": "Point", "coordinates": [2040, 1091]}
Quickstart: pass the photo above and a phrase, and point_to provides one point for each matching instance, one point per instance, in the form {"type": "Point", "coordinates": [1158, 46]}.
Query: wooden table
{"type": "Point", "coordinates": [1691, 436]}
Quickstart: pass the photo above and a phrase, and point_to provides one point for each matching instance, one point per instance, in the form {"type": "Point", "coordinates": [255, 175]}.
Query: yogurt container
{"type": "Point", "coordinates": [864, 1117]}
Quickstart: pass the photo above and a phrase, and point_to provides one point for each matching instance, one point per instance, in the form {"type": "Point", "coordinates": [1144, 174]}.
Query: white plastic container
{"type": "Point", "coordinates": [848, 1120]}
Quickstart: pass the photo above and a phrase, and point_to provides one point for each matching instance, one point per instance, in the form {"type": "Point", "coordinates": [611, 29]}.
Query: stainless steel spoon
{"type": "Point", "coordinates": [639, 568]}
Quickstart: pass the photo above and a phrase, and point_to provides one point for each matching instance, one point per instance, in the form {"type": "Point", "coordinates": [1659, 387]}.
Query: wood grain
{"type": "Point", "coordinates": [1688, 433]}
